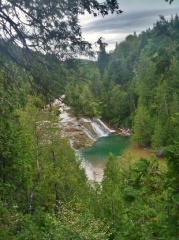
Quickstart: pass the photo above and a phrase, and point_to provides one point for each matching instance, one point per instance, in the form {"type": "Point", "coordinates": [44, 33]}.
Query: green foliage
{"type": "Point", "coordinates": [41, 25]}
{"type": "Point", "coordinates": [110, 206]}
{"type": "Point", "coordinates": [50, 158]}
{"type": "Point", "coordinates": [116, 106]}
{"type": "Point", "coordinates": [142, 126]}
{"type": "Point", "coordinates": [136, 201]}
{"type": "Point", "coordinates": [172, 186]}
{"type": "Point", "coordinates": [44, 192]}
{"type": "Point", "coordinates": [103, 57]}
{"type": "Point", "coordinates": [39, 172]}
{"type": "Point", "coordinates": [79, 223]}
{"type": "Point", "coordinates": [140, 85]}
{"type": "Point", "coordinates": [85, 94]}
{"type": "Point", "coordinates": [140, 202]}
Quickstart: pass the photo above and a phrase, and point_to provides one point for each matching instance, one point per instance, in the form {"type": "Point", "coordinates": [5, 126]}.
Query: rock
{"type": "Point", "coordinates": [160, 152]}
{"type": "Point", "coordinates": [81, 132]}
{"type": "Point", "coordinates": [125, 132]}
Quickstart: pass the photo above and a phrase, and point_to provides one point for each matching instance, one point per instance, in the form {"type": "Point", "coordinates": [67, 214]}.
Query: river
{"type": "Point", "coordinates": [95, 138]}
{"type": "Point", "coordinates": [94, 158]}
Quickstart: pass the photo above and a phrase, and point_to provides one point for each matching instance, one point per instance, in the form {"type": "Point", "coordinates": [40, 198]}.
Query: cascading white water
{"type": "Point", "coordinates": [82, 133]}
{"type": "Point", "coordinates": [94, 128]}
{"type": "Point", "coordinates": [98, 129]}
{"type": "Point", "coordinates": [105, 128]}
{"type": "Point", "coordinates": [89, 133]}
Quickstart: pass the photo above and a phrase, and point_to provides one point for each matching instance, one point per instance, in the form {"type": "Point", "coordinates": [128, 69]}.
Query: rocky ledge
{"type": "Point", "coordinates": [124, 132]}
{"type": "Point", "coordinates": [82, 132]}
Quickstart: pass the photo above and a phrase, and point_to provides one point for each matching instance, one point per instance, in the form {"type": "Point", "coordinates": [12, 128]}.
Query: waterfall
{"type": "Point", "coordinates": [89, 133]}
{"type": "Point", "coordinates": [85, 126]}
{"type": "Point", "coordinates": [81, 134]}
{"type": "Point", "coordinates": [106, 129]}
{"type": "Point", "coordinates": [94, 128]}
{"type": "Point", "coordinates": [98, 129]}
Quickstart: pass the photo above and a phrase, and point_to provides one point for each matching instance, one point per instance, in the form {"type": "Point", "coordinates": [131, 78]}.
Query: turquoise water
{"type": "Point", "coordinates": [99, 151]}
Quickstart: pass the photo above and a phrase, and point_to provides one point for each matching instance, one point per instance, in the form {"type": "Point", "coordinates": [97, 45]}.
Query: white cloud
{"type": "Point", "coordinates": [138, 16]}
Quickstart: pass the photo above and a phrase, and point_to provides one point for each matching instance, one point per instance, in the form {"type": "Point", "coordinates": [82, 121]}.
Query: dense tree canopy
{"type": "Point", "coordinates": [38, 35]}
{"type": "Point", "coordinates": [44, 193]}
{"type": "Point", "coordinates": [49, 26]}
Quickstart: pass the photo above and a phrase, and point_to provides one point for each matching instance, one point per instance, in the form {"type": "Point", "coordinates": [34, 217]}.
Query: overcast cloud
{"type": "Point", "coordinates": [138, 16]}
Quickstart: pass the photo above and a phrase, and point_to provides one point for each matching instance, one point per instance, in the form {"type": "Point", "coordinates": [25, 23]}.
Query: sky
{"type": "Point", "coordinates": [138, 16]}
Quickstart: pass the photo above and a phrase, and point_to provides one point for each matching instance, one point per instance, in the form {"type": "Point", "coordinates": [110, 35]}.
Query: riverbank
{"type": "Point", "coordinates": [130, 155]}
{"type": "Point", "coordinates": [135, 152]}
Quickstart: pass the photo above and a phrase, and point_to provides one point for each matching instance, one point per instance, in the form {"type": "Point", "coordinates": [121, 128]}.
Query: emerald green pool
{"type": "Point", "coordinates": [99, 151]}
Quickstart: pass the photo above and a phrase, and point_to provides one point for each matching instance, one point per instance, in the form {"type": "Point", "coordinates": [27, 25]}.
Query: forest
{"type": "Point", "coordinates": [44, 193]}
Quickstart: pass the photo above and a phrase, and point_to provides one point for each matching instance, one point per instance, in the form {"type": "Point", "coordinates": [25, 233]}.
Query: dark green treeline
{"type": "Point", "coordinates": [43, 192]}
{"type": "Point", "coordinates": [137, 87]}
